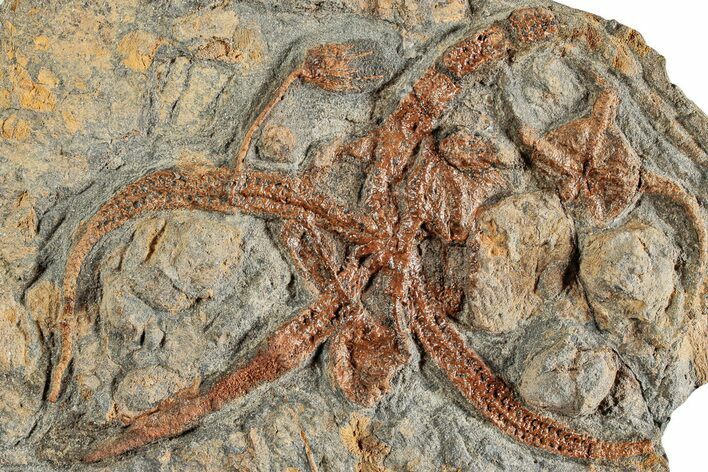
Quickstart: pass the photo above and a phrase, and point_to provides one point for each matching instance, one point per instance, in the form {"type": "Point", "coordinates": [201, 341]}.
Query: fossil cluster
{"type": "Point", "coordinates": [345, 236]}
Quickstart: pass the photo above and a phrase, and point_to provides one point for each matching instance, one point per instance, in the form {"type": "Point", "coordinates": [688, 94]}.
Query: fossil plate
{"type": "Point", "coordinates": [343, 235]}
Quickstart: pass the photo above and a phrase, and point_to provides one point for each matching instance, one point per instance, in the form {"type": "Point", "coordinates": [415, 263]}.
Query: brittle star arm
{"type": "Point", "coordinates": [288, 197]}
{"type": "Point", "coordinates": [663, 187]}
{"type": "Point", "coordinates": [495, 400]}
{"type": "Point", "coordinates": [200, 190]}
{"type": "Point", "coordinates": [332, 67]}
{"type": "Point", "coordinates": [604, 111]}
{"type": "Point", "coordinates": [284, 351]}
{"type": "Point", "coordinates": [158, 191]}
{"type": "Point", "coordinates": [554, 158]}
{"type": "Point", "coordinates": [277, 97]}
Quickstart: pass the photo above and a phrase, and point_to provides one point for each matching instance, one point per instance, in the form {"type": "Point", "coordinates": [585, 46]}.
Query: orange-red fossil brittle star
{"type": "Point", "coordinates": [414, 189]}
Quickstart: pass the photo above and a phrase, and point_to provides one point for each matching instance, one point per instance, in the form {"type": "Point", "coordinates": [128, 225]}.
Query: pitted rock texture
{"type": "Point", "coordinates": [519, 265]}
{"type": "Point", "coordinates": [568, 191]}
{"type": "Point", "coordinates": [569, 377]}
{"type": "Point", "coordinates": [629, 274]}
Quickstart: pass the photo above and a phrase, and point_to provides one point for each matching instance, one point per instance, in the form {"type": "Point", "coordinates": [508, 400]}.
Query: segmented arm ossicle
{"type": "Point", "coordinates": [161, 190]}
{"type": "Point", "coordinates": [494, 400]}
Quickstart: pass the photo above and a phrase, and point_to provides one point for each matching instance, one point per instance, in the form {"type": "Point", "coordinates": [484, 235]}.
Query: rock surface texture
{"type": "Point", "coordinates": [335, 235]}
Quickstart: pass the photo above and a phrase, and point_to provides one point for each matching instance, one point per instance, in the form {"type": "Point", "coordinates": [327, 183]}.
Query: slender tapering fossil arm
{"type": "Point", "coordinates": [206, 190]}
{"type": "Point", "coordinates": [331, 67]}
{"type": "Point", "coordinates": [495, 400]}
{"type": "Point", "coordinates": [604, 110]}
{"type": "Point", "coordinates": [258, 121]}
{"type": "Point", "coordinates": [163, 190]}
{"type": "Point", "coordinates": [292, 198]}
{"type": "Point", "coordinates": [664, 187]}
{"type": "Point", "coordinates": [603, 113]}
{"type": "Point", "coordinates": [551, 153]}
{"type": "Point", "coordinates": [284, 351]}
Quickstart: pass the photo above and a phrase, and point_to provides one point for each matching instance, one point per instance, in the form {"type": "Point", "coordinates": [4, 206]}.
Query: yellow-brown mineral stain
{"type": "Point", "coordinates": [138, 49]}
{"type": "Point", "coordinates": [19, 229]}
{"type": "Point", "coordinates": [8, 43]}
{"type": "Point", "coordinates": [15, 128]}
{"type": "Point", "coordinates": [654, 463]}
{"type": "Point", "coordinates": [38, 98]}
{"type": "Point", "coordinates": [245, 48]}
{"type": "Point", "coordinates": [80, 56]}
{"type": "Point", "coordinates": [27, 217]}
{"type": "Point", "coordinates": [32, 95]}
{"type": "Point", "coordinates": [390, 10]}
{"type": "Point", "coordinates": [359, 438]}
{"type": "Point", "coordinates": [5, 99]}
{"type": "Point", "coordinates": [493, 240]}
{"type": "Point", "coordinates": [216, 49]}
{"type": "Point", "coordinates": [41, 43]}
{"type": "Point", "coordinates": [21, 59]}
{"type": "Point", "coordinates": [43, 301]}
{"type": "Point", "coordinates": [249, 45]}
{"type": "Point", "coordinates": [616, 49]}
{"type": "Point", "coordinates": [71, 122]}
{"type": "Point", "coordinates": [47, 77]}
{"type": "Point", "coordinates": [624, 61]}
{"type": "Point", "coordinates": [20, 78]}
{"type": "Point", "coordinates": [635, 40]}
{"type": "Point", "coordinates": [448, 11]}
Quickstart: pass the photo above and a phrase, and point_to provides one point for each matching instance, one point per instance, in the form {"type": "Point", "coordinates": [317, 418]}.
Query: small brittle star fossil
{"type": "Point", "coordinates": [589, 160]}
{"type": "Point", "coordinates": [415, 189]}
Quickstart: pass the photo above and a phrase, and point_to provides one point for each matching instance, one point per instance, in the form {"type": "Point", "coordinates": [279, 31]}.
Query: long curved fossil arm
{"type": "Point", "coordinates": [491, 397]}
{"type": "Point", "coordinates": [284, 351]}
{"type": "Point", "coordinates": [664, 187]}
{"type": "Point", "coordinates": [158, 191]}
{"type": "Point", "coordinates": [331, 67]}
{"type": "Point", "coordinates": [206, 190]}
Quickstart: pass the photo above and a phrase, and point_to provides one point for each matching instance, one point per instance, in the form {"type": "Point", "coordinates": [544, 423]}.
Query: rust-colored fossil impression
{"type": "Point", "coordinates": [416, 188]}
{"type": "Point", "coordinates": [589, 160]}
